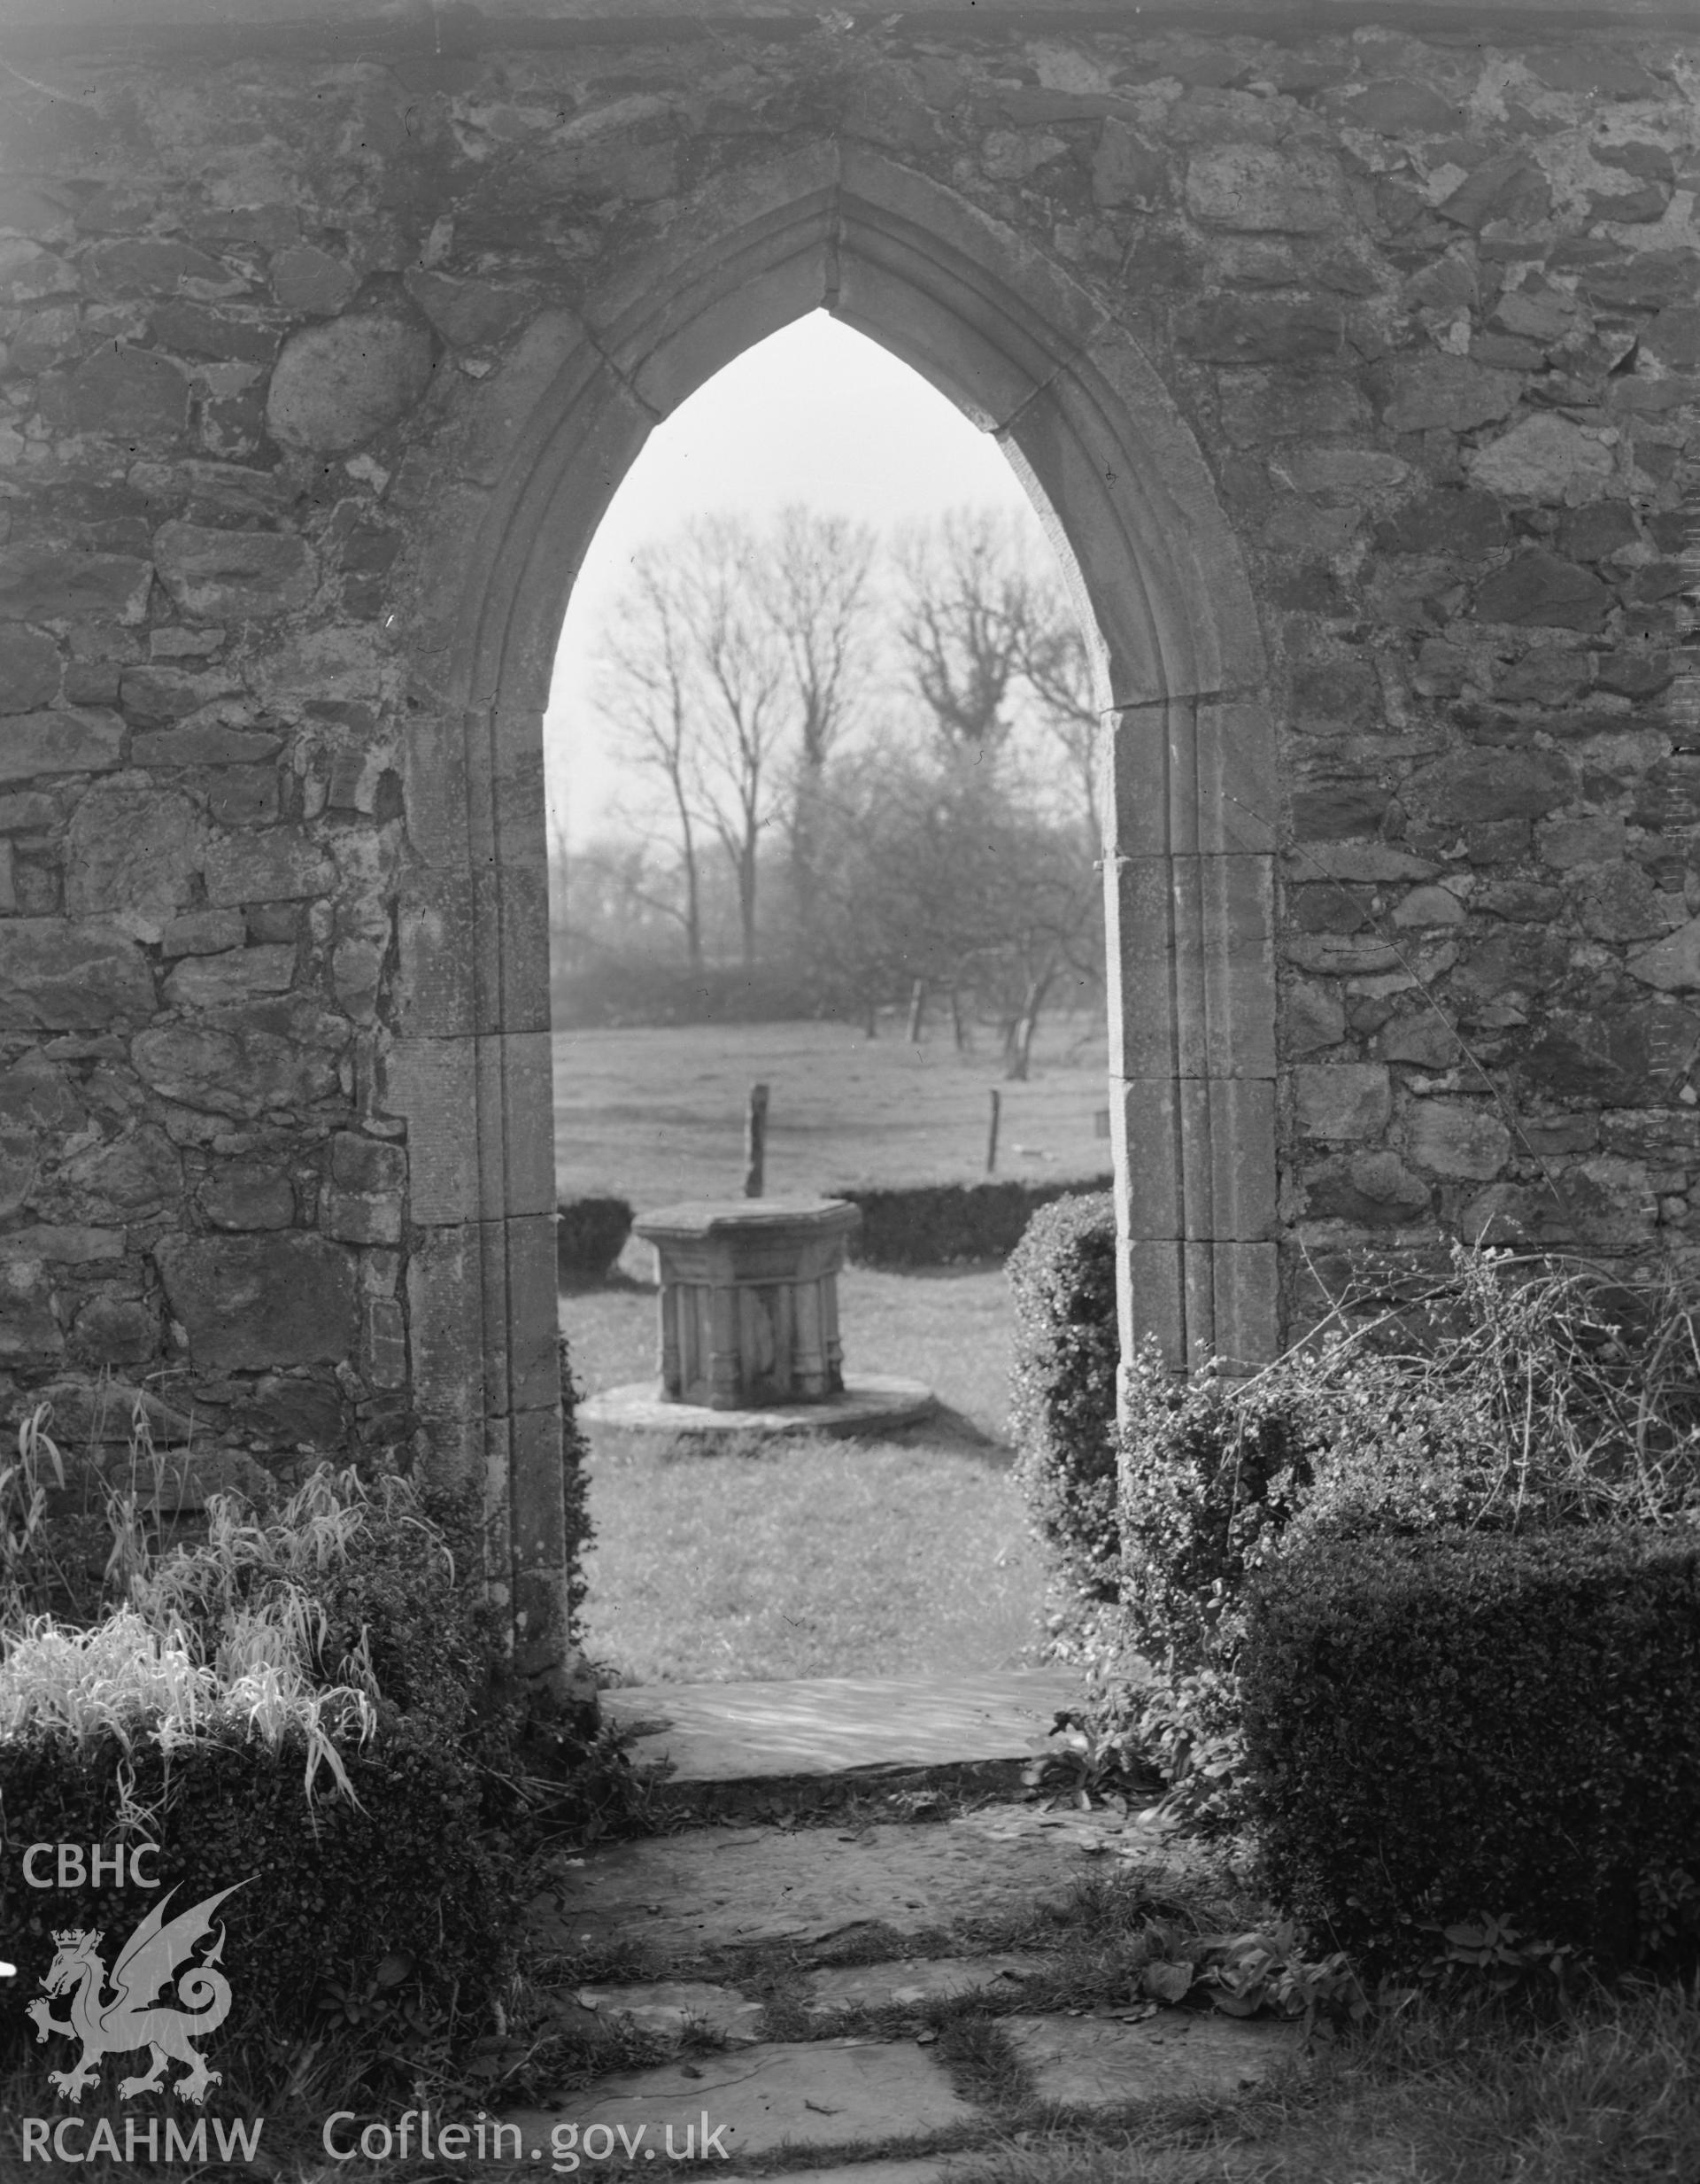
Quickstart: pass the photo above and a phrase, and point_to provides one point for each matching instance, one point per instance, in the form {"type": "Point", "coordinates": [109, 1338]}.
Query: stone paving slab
{"type": "Point", "coordinates": [830, 1726]}
{"type": "Point", "coordinates": [865, 2172]}
{"type": "Point", "coordinates": [668, 2007]}
{"type": "Point", "coordinates": [1135, 2165]}
{"type": "Point", "coordinates": [1102, 2063]}
{"type": "Point", "coordinates": [803, 2093]}
{"type": "Point", "coordinates": [681, 1897]}
{"type": "Point", "coordinates": [879, 1987]}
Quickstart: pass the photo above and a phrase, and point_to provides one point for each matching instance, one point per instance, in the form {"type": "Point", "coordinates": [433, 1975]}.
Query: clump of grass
{"type": "Point", "coordinates": [74, 1554]}
{"type": "Point", "coordinates": [132, 1678]}
{"type": "Point", "coordinates": [981, 2059]}
{"type": "Point", "coordinates": [83, 1683]}
{"type": "Point", "coordinates": [254, 1585]}
{"type": "Point", "coordinates": [23, 1509]}
{"type": "Point", "coordinates": [227, 1633]}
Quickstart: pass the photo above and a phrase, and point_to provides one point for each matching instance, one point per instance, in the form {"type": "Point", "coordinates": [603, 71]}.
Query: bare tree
{"type": "Point", "coordinates": [992, 640]}
{"type": "Point", "coordinates": [816, 590]}
{"type": "Point", "coordinates": [730, 673]}
{"type": "Point", "coordinates": [966, 611]}
{"type": "Point", "coordinates": [736, 668]}
{"type": "Point", "coordinates": [615, 896]}
{"type": "Point", "coordinates": [644, 691]}
{"type": "Point", "coordinates": [1057, 669]}
{"type": "Point", "coordinates": [1050, 929]}
{"type": "Point", "coordinates": [742, 673]}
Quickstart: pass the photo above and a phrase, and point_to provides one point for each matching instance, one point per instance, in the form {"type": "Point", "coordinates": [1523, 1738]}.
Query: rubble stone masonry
{"type": "Point", "coordinates": [325, 343]}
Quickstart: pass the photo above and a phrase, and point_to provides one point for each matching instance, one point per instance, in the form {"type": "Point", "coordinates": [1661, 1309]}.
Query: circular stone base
{"type": "Point", "coordinates": [875, 1403]}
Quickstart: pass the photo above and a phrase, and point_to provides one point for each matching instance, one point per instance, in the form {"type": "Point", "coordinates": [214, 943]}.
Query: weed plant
{"type": "Point", "coordinates": [1515, 1394]}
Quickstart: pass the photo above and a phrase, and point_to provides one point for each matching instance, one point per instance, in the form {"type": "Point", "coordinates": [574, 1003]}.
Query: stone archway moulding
{"type": "Point", "coordinates": [1025, 352]}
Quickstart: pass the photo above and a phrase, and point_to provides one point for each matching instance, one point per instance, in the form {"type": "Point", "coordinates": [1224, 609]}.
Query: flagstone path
{"type": "Point", "coordinates": [832, 1726]}
{"type": "Point", "coordinates": [812, 1955]}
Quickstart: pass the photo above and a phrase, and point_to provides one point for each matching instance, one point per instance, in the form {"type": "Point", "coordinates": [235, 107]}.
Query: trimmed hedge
{"type": "Point", "coordinates": [409, 1871]}
{"type": "Point", "coordinates": [417, 1867]}
{"type": "Point", "coordinates": [943, 1224]}
{"type": "Point", "coordinates": [589, 1234]}
{"type": "Point", "coordinates": [400, 1582]}
{"type": "Point", "coordinates": [1447, 1724]}
{"type": "Point", "coordinates": [617, 989]}
{"type": "Point", "coordinates": [576, 1492]}
{"type": "Point", "coordinates": [925, 1225]}
{"type": "Point", "coordinates": [1062, 1406]}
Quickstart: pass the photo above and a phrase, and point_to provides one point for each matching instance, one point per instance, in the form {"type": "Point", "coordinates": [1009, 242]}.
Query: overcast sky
{"type": "Point", "coordinates": [816, 414]}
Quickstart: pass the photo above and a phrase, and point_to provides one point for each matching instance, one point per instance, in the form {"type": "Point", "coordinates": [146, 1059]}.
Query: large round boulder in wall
{"type": "Point", "coordinates": [336, 386]}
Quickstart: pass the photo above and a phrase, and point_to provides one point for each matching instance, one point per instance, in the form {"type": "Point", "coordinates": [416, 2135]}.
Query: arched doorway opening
{"type": "Point", "coordinates": [1110, 462]}
{"type": "Point", "coordinates": [823, 819]}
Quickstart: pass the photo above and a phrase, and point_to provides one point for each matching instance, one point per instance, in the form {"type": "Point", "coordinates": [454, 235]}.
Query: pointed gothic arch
{"type": "Point", "coordinates": [532, 458]}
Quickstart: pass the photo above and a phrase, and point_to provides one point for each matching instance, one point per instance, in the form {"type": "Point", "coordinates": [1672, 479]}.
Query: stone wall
{"type": "Point", "coordinates": [281, 307]}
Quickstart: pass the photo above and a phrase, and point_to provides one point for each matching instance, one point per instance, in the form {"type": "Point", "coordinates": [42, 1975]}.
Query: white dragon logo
{"type": "Point", "coordinates": [131, 2019]}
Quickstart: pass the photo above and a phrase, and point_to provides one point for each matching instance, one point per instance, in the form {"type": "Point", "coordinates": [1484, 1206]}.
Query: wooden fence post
{"type": "Point", "coordinates": [755, 1142]}
{"type": "Point", "coordinates": [991, 1132]}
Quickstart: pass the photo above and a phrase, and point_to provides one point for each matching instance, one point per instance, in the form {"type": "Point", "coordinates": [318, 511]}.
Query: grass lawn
{"type": "Point", "coordinates": [902, 1557]}
{"type": "Point", "coordinates": [657, 1115]}
{"type": "Point", "coordinates": [822, 1557]}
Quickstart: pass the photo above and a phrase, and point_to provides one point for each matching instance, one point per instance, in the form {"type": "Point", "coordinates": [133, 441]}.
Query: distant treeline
{"type": "Point", "coordinates": [619, 992]}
